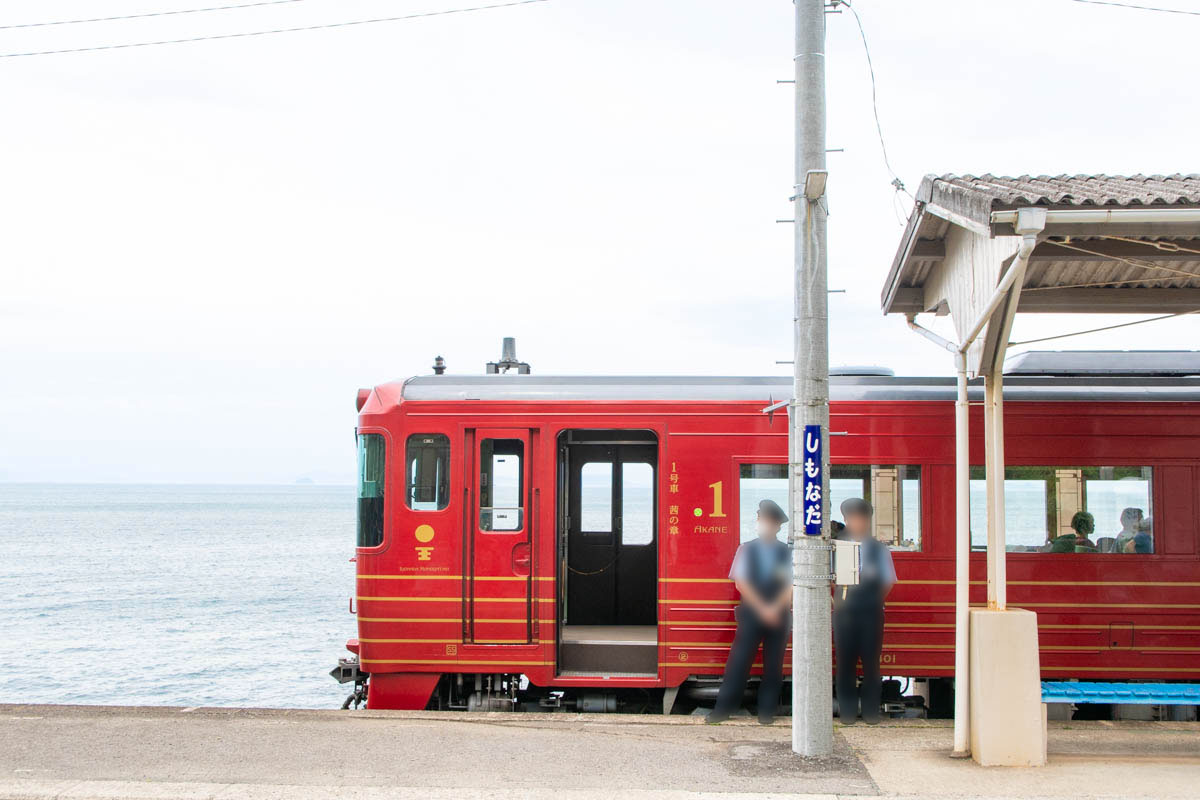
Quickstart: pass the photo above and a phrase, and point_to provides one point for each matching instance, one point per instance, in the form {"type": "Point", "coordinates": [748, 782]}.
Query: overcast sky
{"type": "Point", "coordinates": [205, 249]}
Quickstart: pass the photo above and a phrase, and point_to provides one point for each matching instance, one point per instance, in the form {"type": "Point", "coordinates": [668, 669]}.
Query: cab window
{"type": "Point", "coordinates": [1069, 510]}
{"type": "Point", "coordinates": [372, 453]}
{"type": "Point", "coordinates": [427, 472]}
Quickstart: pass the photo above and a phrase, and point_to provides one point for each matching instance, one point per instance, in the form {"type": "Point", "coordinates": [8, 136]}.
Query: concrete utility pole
{"type": "Point", "coordinates": [812, 656]}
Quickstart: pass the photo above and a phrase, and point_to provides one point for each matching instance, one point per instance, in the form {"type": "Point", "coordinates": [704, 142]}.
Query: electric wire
{"type": "Point", "coordinates": [1139, 8]}
{"type": "Point", "coordinates": [896, 182]}
{"type": "Point", "coordinates": [1105, 328]}
{"type": "Point", "coordinates": [1158, 244]}
{"type": "Point", "coordinates": [271, 32]}
{"type": "Point", "coordinates": [147, 14]}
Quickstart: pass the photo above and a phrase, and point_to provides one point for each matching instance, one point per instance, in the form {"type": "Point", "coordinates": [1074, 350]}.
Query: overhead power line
{"type": "Point", "coordinates": [1139, 8]}
{"type": "Point", "coordinates": [896, 182]}
{"type": "Point", "coordinates": [1105, 328]}
{"type": "Point", "coordinates": [147, 14]}
{"type": "Point", "coordinates": [271, 32]}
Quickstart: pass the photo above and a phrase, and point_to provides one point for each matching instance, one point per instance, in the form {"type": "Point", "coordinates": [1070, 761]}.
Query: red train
{"type": "Point", "coordinates": [544, 542]}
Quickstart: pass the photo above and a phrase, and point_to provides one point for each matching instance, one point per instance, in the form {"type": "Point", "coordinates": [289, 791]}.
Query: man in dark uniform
{"type": "Point", "coordinates": [762, 572]}
{"type": "Point", "coordinates": [858, 617]}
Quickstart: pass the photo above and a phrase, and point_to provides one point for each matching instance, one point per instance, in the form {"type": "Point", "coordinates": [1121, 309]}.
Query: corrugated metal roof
{"type": "Point", "coordinates": [1132, 267]}
{"type": "Point", "coordinates": [1080, 190]}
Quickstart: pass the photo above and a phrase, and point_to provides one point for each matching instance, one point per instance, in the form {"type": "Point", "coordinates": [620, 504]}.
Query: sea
{"type": "Point", "coordinates": [239, 595]}
{"type": "Point", "coordinates": [175, 595]}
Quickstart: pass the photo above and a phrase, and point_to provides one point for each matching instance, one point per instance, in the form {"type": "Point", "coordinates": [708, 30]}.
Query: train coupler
{"type": "Point", "coordinates": [347, 671]}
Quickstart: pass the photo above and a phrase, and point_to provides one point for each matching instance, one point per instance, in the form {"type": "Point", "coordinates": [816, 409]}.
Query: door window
{"type": "Point", "coordinates": [596, 497]}
{"type": "Point", "coordinates": [501, 485]}
{"type": "Point", "coordinates": [637, 503]}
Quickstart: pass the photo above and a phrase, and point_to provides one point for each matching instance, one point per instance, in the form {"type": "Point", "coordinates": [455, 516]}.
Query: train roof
{"type": "Point", "coordinates": [525, 388]}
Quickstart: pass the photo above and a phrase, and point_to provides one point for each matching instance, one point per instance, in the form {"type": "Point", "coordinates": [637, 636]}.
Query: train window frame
{"type": "Point", "coordinates": [876, 478]}
{"type": "Point", "coordinates": [609, 506]}
{"type": "Point", "coordinates": [486, 486]}
{"type": "Point", "coordinates": [441, 442]}
{"type": "Point", "coordinates": [377, 488]}
{"type": "Point", "coordinates": [652, 513]}
{"type": "Point", "coordinates": [1071, 481]}
{"type": "Point", "coordinates": [748, 511]}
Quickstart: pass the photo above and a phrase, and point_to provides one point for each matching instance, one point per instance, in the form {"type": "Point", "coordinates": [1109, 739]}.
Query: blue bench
{"type": "Point", "coordinates": [1157, 694]}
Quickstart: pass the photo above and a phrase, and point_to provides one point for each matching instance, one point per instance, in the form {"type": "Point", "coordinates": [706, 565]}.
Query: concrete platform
{"type": "Point", "coordinates": [87, 753]}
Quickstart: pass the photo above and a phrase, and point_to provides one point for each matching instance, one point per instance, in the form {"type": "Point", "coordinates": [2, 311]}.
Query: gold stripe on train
{"type": "Point", "coordinates": [702, 602]}
{"type": "Point", "coordinates": [1184, 584]}
{"type": "Point", "coordinates": [892, 668]}
{"type": "Point", "coordinates": [446, 641]}
{"type": "Point", "coordinates": [455, 663]}
{"type": "Point", "coordinates": [455, 599]}
{"type": "Point", "coordinates": [456, 620]}
{"type": "Point", "coordinates": [1023, 604]}
{"type": "Point", "coordinates": [695, 580]}
{"type": "Point", "coordinates": [422, 576]}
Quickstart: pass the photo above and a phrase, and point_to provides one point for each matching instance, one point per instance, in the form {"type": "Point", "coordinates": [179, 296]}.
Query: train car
{"type": "Point", "coordinates": [563, 542]}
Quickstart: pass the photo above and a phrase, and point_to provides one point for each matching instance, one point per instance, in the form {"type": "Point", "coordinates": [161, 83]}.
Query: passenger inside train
{"type": "Point", "coordinates": [1134, 536]}
{"type": "Point", "coordinates": [1044, 504]}
{"type": "Point", "coordinates": [1083, 525]}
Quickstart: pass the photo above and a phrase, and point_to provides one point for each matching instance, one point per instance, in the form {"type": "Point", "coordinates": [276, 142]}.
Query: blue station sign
{"type": "Point", "coordinates": [814, 483]}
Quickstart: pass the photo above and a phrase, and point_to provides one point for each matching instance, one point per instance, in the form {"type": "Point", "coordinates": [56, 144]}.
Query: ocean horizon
{"type": "Point", "coordinates": [175, 594]}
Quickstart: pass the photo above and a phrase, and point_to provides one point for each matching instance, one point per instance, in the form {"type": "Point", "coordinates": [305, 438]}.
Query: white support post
{"type": "Point", "coordinates": [962, 562]}
{"type": "Point", "coordinates": [997, 589]}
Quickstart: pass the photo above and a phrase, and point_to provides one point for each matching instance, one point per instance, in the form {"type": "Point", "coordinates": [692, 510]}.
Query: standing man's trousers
{"type": "Point", "coordinates": [858, 634]}
{"type": "Point", "coordinates": [751, 632]}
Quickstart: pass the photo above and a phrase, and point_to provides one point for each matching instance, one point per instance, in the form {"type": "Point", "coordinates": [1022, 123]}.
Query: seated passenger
{"type": "Point", "coordinates": [1083, 524]}
{"type": "Point", "coordinates": [1131, 519]}
{"type": "Point", "coordinates": [1141, 542]}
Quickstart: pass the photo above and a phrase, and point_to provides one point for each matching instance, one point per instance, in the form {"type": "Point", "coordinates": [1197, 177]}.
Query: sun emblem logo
{"type": "Point", "coordinates": [424, 534]}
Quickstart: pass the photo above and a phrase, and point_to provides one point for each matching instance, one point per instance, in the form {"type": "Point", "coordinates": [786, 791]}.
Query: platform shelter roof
{"type": "Point", "coordinates": [1110, 243]}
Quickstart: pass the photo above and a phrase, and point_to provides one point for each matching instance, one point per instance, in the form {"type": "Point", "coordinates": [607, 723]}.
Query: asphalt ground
{"type": "Point", "coordinates": [114, 753]}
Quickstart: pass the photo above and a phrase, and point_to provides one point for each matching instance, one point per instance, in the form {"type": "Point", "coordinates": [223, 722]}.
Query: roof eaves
{"type": "Point", "coordinates": [908, 240]}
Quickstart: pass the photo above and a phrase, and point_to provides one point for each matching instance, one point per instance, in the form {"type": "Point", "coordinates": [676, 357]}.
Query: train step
{"type": "Point", "coordinates": [627, 649]}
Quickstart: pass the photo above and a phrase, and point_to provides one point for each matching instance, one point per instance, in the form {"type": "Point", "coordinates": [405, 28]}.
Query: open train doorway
{"type": "Point", "coordinates": [608, 552]}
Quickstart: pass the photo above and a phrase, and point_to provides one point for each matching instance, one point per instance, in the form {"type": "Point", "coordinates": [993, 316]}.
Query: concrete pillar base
{"type": "Point", "coordinates": [1008, 719]}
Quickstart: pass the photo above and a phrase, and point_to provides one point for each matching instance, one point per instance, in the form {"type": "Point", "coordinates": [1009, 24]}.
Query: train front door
{"type": "Point", "coordinates": [498, 597]}
{"type": "Point", "coordinates": [608, 551]}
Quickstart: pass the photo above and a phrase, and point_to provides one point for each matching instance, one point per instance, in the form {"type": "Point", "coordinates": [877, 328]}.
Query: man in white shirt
{"type": "Point", "coordinates": [762, 573]}
{"type": "Point", "coordinates": [858, 618]}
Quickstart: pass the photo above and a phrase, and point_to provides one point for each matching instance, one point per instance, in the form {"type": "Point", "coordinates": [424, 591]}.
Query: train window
{"type": "Point", "coordinates": [760, 482]}
{"type": "Point", "coordinates": [427, 475]}
{"type": "Point", "coordinates": [501, 485]}
{"type": "Point", "coordinates": [596, 497]}
{"type": "Point", "coordinates": [1069, 509]}
{"type": "Point", "coordinates": [637, 503]}
{"type": "Point", "coordinates": [894, 491]}
{"type": "Point", "coordinates": [372, 453]}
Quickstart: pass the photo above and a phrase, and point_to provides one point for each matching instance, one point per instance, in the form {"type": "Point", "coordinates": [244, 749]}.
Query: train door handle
{"type": "Point", "coordinates": [521, 561]}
